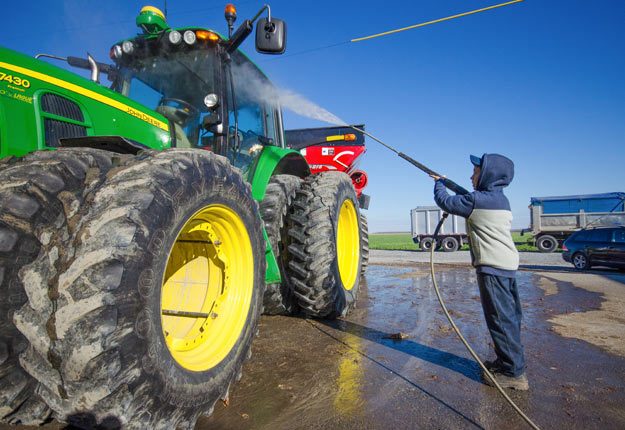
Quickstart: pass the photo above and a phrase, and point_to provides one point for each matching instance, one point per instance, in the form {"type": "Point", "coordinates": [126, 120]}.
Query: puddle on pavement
{"type": "Point", "coordinates": [548, 286]}
{"type": "Point", "coordinates": [346, 374]}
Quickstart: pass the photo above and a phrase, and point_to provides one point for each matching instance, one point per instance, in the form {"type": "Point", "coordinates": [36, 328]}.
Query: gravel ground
{"type": "Point", "coordinates": [531, 260]}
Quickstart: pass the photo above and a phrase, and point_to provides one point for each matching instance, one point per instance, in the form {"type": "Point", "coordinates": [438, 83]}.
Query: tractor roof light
{"type": "Point", "coordinates": [116, 52]}
{"type": "Point", "coordinates": [231, 16]}
{"type": "Point", "coordinates": [230, 12]}
{"type": "Point", "coordinates": [207, 35]}
{"type": "Point", "coordinates": [189, 37]}
{"type": "Point", "coordinates": [128, 47]}
{"type": "Point", "coordinates": [174, 37]}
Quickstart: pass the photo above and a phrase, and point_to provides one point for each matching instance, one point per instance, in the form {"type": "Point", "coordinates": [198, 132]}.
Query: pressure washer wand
{"type": "Point", "coordinates": [447, 182]}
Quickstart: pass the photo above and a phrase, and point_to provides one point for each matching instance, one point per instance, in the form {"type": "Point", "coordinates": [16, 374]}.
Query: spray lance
{"type": "Point", "coordinates": [447, 182]}
{"type": "Point", "coordinates": [458, 190]}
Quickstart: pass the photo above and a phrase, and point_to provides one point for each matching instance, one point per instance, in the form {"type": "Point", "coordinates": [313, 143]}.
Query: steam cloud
{"type": "Point", "coordinates": [252, 86]}
{"type": "Point", "coordinates": [302, 106]}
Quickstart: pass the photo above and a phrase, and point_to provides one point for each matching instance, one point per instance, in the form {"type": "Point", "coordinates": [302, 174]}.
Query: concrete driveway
{"type": "Point", "coordinates": [347, 374]}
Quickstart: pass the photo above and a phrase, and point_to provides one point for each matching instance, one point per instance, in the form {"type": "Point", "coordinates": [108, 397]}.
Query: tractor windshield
{"type": "Point", "coordinates": [175, 85]}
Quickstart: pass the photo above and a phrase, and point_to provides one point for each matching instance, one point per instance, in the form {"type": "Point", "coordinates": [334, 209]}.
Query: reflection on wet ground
{"type": "Point", "coordinates": [347, 374]}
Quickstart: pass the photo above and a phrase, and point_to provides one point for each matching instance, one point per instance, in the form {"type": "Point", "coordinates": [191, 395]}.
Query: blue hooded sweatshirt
{"type": "Point", "coordinates": [488, 215]}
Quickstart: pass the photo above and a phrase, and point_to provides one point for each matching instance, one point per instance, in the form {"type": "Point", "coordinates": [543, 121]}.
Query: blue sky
{"type": "Point", "coordinates": [542, 82]}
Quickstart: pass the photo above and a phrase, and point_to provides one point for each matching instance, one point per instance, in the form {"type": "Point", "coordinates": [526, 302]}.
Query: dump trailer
{"type": "Point", "coordinates": [148, 215]}
{"type": "Point", "coordinates": [553, 219]}
{"type": "Point", "coordinates": [423, 221]}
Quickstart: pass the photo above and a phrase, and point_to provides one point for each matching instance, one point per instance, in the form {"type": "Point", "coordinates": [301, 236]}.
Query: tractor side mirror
{"type": "Point", "coordinates": [271, 36]}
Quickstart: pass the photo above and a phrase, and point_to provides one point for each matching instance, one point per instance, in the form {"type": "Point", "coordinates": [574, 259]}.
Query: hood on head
{"type": "Point", "coordinates": [496, 172]}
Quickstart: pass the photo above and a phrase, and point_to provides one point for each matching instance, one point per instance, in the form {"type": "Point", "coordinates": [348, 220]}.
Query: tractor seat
{"type": "Point", "coordinates": [179, 117]}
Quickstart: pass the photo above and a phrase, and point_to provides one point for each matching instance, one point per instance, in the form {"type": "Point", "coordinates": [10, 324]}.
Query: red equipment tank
{"type": "Point", "coordinates": [333, 148]}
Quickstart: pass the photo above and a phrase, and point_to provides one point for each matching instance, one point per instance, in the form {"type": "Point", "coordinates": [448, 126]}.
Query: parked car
{"type": "Point", "coordinates": [596, 247]}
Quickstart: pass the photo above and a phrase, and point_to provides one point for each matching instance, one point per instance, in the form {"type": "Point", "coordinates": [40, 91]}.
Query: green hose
{"type": "Point", "coordinates": [464, 341]}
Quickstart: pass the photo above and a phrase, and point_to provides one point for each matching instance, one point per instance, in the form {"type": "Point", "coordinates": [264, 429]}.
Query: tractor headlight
{"type": "Point", "coordinates": [116, 52]}
{"type": "Point", "coordinates": [175, 37]}
{"type": "Point", "coordinates": [211, 100]}
{"type": "Point", "coordinates": [189, 37]}
{"type": "Point", "coordinates": [128, 47]}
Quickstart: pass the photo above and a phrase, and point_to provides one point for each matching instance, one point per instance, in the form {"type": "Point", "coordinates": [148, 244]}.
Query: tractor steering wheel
{"type": "Point", "coordinates": [177, 110]}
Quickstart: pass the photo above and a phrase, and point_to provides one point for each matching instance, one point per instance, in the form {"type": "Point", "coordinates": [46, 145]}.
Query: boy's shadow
{"type": "Point", "coordinates": [464, 366]}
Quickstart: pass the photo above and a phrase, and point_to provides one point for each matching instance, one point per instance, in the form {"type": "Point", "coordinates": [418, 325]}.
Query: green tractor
{"type": "Point", "coordinates": [145, 225]}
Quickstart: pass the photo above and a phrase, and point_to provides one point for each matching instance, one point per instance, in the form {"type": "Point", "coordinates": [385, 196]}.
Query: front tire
{"type": "Point", "coordinates": [325, 245]}
{"type": "Point", "coordinates": [156, 307]}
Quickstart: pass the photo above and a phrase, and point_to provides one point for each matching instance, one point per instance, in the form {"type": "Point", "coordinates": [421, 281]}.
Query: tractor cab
{"type": "Point", "coordinates": [213, 96]}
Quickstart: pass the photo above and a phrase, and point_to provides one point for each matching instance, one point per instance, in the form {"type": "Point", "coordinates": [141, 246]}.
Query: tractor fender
{"type": "Point", "coordinates": [276, 161]}
{"type": "Point", "coordinates": [118, 144]}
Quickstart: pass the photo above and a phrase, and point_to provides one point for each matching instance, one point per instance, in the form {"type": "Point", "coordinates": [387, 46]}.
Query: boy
{"type": "Point", "coordinates": [495, 259]}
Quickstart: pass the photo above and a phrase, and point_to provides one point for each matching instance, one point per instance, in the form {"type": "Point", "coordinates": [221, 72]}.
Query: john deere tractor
{"type": "Point", "coordinates": [145, 222]}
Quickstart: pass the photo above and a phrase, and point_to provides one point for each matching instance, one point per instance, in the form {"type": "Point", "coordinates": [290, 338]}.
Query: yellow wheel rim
{"type": "Point", "coordinates": [348, 244]}
{"type": "Point", "coordinates": [207, 288]}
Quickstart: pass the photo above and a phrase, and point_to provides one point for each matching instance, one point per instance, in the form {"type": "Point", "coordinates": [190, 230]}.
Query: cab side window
{"type": "Point", "coordinates": [251, 106]}
{"type": "Point", "coordinates": [619, 236]}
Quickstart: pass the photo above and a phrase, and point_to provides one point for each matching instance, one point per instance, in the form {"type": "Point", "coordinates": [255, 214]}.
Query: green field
{"type": "Point", "coordinates": [403, 241]}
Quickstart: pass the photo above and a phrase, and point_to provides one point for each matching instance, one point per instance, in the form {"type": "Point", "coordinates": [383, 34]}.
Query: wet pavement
{"type": "Point", "coordinates": [311, 374]}
{"type": "Point", "coordinates": [408, 258]}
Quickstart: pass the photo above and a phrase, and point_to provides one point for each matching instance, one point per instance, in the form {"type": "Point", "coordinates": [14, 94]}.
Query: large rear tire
{"type": "Point", "coordinates": [41, 196]}
{"type": "Point", "coordinates": [324, 250]}
{"type": "Point", "coordinates": [278, 298]}
{"type": "Point", "coordinates": [154, 309]}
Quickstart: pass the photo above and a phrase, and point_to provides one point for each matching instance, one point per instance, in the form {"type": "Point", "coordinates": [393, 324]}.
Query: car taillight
{"type": "Point", "coordinates": [564, 248]}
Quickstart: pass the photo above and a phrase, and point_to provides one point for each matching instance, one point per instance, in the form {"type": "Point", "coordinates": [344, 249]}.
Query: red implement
{"type": "Point", "coordinates": [333, 149]}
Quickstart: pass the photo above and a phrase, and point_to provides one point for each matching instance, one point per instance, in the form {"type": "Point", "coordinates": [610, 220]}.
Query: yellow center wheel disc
{"type": "Point", "coordinates": [207, 288]}
{"type": "Point", "coordinates": [348, 244]}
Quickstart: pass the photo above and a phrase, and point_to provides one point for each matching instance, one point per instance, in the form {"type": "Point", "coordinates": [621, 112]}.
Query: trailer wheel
{"type": "Point", "coordinates": [157, 298]}
{"type": "Point", "coordinates": [364, 244]}
{"type": "Point", "coordinates": [324, 250]}
{"type": "Point", "coordinates": [281, 190]}
{"type": "Point", "coordinates": [450, 244]}
{"type": "Point", "coordinates": [427, 243]}
{"type": "Point", "coordinates": [41, 194]}
{"type": "Point", "coordinates": [546, 243]}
